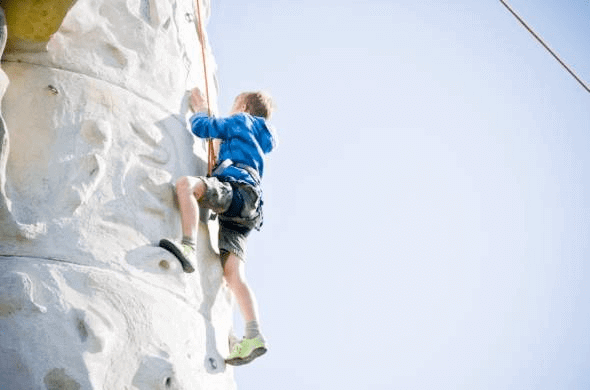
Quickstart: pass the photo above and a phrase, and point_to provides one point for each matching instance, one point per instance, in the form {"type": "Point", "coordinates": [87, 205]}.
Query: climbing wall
{"type": "Point", "coordinates": [93, 135]}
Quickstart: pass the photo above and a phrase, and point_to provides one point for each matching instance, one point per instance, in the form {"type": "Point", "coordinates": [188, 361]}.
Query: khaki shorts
{"type": "Point", "coordinates": [239, 208]}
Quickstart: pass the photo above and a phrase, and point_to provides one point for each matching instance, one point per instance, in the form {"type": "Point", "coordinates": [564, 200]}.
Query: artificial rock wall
{"type": "Point", "coordinates": [93, 135]}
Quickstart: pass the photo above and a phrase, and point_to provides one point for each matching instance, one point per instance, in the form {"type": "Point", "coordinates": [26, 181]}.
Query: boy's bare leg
{"type": "Point", "coordinates": [253, 344]}
{"type": "Point", "coordinates": [236, 279]}
{"type": "Point", "coordinates": [188, 190]}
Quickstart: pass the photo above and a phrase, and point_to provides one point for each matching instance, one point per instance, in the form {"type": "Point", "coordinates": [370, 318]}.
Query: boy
{"type": "Point", "coordinates": [234, 193]}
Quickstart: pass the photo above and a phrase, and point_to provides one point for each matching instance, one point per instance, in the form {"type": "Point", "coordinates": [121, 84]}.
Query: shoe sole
{"type": "Point", "coordinates": [239, 361]}
{"type": "Point", "coordinates": [184, 262]}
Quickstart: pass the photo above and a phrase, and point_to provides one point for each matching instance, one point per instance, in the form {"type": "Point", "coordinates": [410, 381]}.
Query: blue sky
{"type": "Point", "coordinates": [426, 212]}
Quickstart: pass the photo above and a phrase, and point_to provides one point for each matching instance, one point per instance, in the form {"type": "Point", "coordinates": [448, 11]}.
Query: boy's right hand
{"type": "Point", "coordinates": [198, 103]}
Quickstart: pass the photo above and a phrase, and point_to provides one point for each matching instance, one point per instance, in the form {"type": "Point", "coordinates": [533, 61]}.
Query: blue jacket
{"type": "Point", "coordinates": [245, 140]}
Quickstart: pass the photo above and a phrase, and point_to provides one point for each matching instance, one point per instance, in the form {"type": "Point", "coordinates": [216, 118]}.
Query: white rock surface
{"type": "Point", "coordinates": [94, 135]}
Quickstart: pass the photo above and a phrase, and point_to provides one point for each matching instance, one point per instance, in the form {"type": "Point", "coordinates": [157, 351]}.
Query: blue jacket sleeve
{"type": "Point", "coordinates": [204, 126]}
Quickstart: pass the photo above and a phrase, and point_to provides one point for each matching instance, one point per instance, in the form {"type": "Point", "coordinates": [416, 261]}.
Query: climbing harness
{"type": "Point", "coordinates": [200, 33]}
{"type": "Point", "coordinates": [545, 46]}
{"type": "Point", "coordinates": [222, 166]}
{"type": "Point", "coordinates": [228, 162]}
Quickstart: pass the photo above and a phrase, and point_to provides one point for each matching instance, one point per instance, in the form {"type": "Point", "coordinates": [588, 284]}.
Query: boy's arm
{"type": "Point", "coordinates": [202, 125]}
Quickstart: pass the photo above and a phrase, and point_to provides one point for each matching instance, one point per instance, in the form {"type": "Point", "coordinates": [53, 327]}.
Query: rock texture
{"type": "Point", "coordinates": [93, 135]}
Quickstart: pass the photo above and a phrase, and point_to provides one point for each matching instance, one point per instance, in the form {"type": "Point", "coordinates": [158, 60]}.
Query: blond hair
{"type": "Point", "coordinates": [257, 103]}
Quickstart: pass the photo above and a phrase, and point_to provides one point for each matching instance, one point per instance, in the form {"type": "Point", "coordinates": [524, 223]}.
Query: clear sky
{"type": "Point", "coordinates": [427, 211]}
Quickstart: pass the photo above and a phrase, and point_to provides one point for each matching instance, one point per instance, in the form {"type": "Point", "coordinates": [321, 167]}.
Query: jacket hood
{"type": "Point", "coordinates": [265, 134]}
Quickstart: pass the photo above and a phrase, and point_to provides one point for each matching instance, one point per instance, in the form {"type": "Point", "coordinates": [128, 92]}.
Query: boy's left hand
{"type": "Point", "coordinates": [198, 103]}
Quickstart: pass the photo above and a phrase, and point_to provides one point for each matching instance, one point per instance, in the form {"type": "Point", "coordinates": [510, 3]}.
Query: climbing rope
{"type": "Point", "coordinates": [200, 33]}
{"type": "Point", "coordinates": [545, 46]}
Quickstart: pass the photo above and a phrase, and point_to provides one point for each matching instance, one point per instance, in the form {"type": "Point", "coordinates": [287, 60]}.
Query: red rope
{"type": "Point", "coordinates": [211, 151]}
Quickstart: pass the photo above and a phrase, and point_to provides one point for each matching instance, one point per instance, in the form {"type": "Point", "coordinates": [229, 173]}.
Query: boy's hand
{"type": "Point", "coordinates": [198, 103]}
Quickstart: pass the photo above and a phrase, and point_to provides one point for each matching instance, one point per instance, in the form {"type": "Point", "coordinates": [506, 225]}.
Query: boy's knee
{"type": "Point", "coordinates": [231, 275]}
{"type": "Point", "coordinates": [183, 184]}
{"type": "Point", "coordinates": [186, 185]}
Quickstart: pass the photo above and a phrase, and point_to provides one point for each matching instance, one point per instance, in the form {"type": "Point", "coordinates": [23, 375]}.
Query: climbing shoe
{"type": "Point", "coordinates": [246, 351]}
{"type": "Point", "coordinates": [184, 253]}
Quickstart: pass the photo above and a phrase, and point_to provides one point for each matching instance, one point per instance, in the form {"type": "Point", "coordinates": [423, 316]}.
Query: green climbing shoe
{"type": "Point", "coordinates": [246, 351]}
{"type": "Point", "coordinates": [184, 253]}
